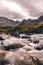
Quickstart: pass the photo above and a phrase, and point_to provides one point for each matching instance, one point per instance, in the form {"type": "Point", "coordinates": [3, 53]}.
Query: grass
{"type": "Point", "coordinates": [21, 28]}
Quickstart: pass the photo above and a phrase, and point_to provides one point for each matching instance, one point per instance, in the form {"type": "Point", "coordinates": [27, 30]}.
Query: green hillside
{"type": "Point", "coordinates": [23, 28]}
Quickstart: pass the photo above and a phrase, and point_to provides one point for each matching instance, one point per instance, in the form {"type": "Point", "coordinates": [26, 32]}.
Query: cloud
{"type": "Point", "coordinates": [13, 7]}
{"type": "Point", "coordinates": [20, 9]}
{"type": "Point", "coordinates": [34, 7]}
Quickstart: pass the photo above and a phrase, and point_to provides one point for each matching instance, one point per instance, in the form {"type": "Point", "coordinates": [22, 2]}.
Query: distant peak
{"type": "Point", "coordinates": [41, 17]}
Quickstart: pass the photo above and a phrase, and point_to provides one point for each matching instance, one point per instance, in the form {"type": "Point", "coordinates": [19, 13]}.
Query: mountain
{"type": "Point", "coordinates": [30, 26]}
{"type": "Point", "coordinates": [37, 28]}
{"type": "Point", "coordinates": [7, 22]}
{"type": "Point", "coordinates": [31, 21]}
{"type": "Point", "coordinates": [25, 26]}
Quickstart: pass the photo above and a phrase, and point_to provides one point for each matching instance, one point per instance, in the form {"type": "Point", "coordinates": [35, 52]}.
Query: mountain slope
{"type": "Point", "coordinates": [37, 28]}
{"type": "Point", "coordinates": [7, 22]}
{"type": "Point", "coordinates": [26, 26]}
{"type": "Point", "coordinates": [31, 21]}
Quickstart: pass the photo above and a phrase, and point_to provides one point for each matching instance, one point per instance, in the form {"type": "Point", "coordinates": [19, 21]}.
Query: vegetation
{"type": "Point", "coordinates": [23, 28]}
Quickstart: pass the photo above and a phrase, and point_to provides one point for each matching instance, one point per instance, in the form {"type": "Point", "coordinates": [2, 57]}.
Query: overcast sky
{"type": "Point", "coordinates": [21, 9]}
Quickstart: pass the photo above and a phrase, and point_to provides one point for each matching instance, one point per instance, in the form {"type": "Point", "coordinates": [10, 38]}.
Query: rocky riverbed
{"type": "Point", "coordinates": [22, 50]}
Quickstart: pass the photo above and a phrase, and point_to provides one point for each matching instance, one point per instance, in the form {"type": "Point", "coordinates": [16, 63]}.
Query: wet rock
{"type": "Point", "coordinates": [21, 57]}
{"type": "Point", "coordinates": [2, 55]}
{"type": "Point", "coordinates": [1, 39]}
{"type": "Point", "coordinates": [28, 48]}
{"type": "Point", "coordinates": [39, 47]}
{"type": "Point", "coordinates": [12, 46]}
{"type": "Point", "coordinates": [36, 41]}
{"type": "Point", "coordinates": [28, 60]}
